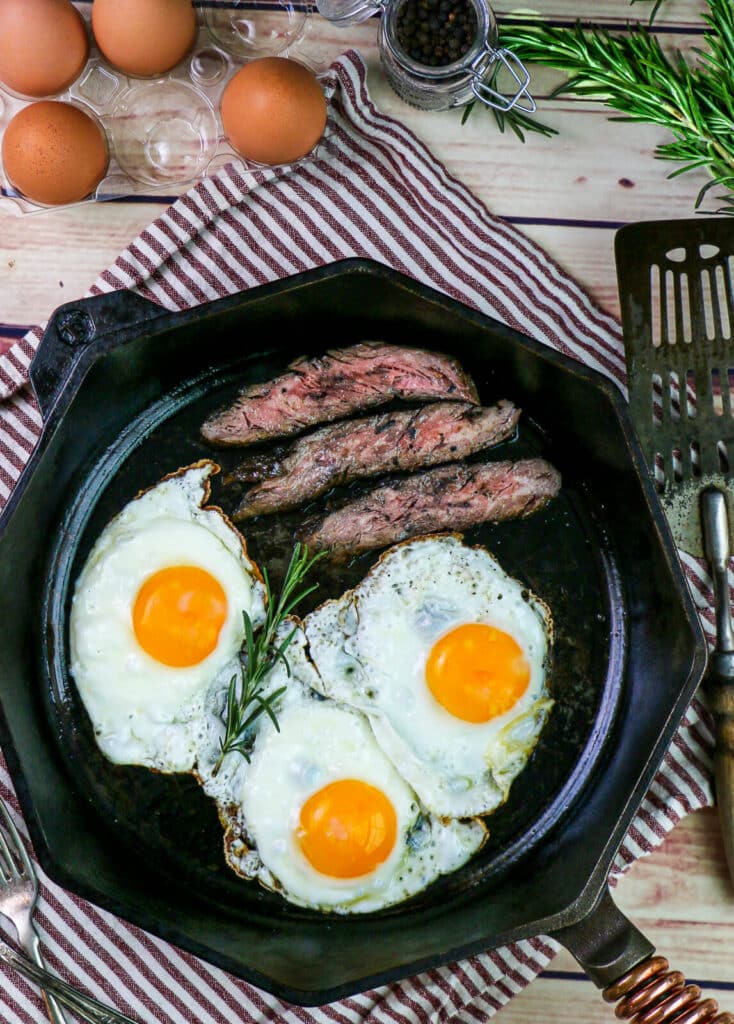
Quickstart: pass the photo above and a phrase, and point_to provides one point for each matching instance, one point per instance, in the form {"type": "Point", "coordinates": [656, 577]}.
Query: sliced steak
{"type": "Point", "coordinates": [413, 439]}
{"type": "Point", "coordinates": [334, 386]}
{"type": "Point", "coordinates": [447, 498]}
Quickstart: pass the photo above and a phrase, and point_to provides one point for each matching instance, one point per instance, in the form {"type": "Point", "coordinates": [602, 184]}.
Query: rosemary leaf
{"type": "Point", "coordinates": [246, 697]}
{"type": "Point", "coordinates": [657, 4]}
{"type": "Point", "coordinates": [519, 122]}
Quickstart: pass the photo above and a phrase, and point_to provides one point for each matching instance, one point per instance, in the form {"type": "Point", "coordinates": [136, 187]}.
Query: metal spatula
{"type": "Point", "coordinates": [676, 284]}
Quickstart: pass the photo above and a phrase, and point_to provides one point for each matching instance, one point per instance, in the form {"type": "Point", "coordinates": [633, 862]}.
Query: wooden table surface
{"type": "Point", "coordinates": [570, 194]}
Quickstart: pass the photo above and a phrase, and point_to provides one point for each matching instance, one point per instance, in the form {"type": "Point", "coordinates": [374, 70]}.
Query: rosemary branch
{"type": "Point", "coordinates": [246, 697]}
{"type": "Point", "coordinates": [515, 120]}
{"type": "Point", "coordinates": [632, 74]}
{"type": "Point", "coordinates": [656, 5]}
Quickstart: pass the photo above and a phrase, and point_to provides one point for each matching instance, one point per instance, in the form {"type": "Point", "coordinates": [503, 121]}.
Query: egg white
{"type": "Point", "coordinates": [318, 742]}
{"type": "Point", "coordinates": [142, 711]}
{"type": "Point", "coordinates": [370, 648]}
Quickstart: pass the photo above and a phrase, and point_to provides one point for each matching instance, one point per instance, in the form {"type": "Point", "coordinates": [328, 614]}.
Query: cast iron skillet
{"type": "Point", "coordinates": [123, 386]}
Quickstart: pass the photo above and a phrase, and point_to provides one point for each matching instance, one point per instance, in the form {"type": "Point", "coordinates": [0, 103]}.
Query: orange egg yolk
{"type": "Point", "coordinates": [347, 828]}
{"type": "Point", "coordinates": [178, 615]}
{"type": "Point", "coordinates": [477, 672]}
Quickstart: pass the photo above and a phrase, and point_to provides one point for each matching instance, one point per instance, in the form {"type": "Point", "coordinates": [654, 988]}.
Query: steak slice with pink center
{"type": "Point", "coordinates": [353, 449]}
{"type": "Point", "coordinates": [330, 387]}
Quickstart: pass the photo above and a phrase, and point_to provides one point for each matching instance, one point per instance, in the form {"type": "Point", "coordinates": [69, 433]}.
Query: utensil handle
{"type": "Point", "coordinates": [720, 689]}
{"type": "Point", "coordinates": [720, 678]}
{"type": "Point", "coordinates": [620, 960]}
{"type": "Point", "coordinates": [85, 1006]}
{"type": "Point", "coordinates": [716, 544]}
{"type": "Point", "coordinates": [55, 1014]}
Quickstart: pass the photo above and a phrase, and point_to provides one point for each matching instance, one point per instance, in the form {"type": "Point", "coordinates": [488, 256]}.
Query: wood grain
{"type": "Point", "coordinates": [569, 194]}
{"type": "Point", "coordinates": [672, 14]}
{"type": "Point", "coordinates": [595, 176]}
{"type": "Point", "coordinates": [681, 897]}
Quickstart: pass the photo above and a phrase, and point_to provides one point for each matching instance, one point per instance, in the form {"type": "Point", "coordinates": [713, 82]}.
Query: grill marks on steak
{"type": "Point", "coordinates": [452, 497]}
{"type": "Point", "coordinates": [334, 386]}
{"type": "Point", "coordinates": [390, 441]}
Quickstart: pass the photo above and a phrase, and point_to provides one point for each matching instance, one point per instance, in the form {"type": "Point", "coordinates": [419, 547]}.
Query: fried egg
{"type": "Point", "coordinates": [320, 814]}
{"type": "Point", "coordinates": [157, 621]}
{"type": "Point", "coordinates": [447, 655]}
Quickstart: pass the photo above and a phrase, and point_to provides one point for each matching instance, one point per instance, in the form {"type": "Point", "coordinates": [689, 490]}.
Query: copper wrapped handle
{"type": "Point", "coordinates": [622, 962]}
{"type": "Point", "coordinates": [650, 993]}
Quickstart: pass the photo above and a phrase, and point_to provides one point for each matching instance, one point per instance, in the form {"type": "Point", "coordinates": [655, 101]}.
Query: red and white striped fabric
{"type": "Point", "coordinates": [374, 191]}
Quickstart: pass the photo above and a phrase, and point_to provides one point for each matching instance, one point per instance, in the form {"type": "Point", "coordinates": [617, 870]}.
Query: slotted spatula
{"type": "Point", "coordinates": [676, 285]}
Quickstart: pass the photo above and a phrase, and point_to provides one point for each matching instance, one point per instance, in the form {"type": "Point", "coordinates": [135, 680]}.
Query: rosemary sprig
{"type": "Point", "coordinates": [516, 120]}
{"type": "Point", "coordinates": [656, 5]}
{"type": "Point", "coordinates": [246, 698]}
{"type": "Point", "coordinates": [632, 74]}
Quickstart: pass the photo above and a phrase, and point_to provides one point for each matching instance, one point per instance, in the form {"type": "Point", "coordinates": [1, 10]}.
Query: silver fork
{"type": "Point", "coordinates": [18, 899]}
{"type": "Point", "coordinates": [18, 895]}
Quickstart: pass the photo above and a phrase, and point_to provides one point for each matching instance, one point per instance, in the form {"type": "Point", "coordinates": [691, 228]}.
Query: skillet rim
{"type": "Point", "coordinates": [54, 403]}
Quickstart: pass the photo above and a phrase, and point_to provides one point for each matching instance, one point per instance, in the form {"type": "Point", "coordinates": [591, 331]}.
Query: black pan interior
{"type": "Point", "coordinates": [562, 553]}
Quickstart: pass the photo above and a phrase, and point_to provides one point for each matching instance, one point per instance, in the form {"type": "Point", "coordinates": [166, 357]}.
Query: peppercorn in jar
{"type": "Point", "coordinates": [439, 54]}
{"type": "Point", "coordinates": [436, 32]}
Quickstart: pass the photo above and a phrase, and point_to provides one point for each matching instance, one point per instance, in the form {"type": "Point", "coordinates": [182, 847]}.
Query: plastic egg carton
{"type": "Point", "coordinates": [164, 133]}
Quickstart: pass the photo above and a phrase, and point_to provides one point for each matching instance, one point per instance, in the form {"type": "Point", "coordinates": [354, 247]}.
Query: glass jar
{"type": "Point", "coordinates": [472, 77]}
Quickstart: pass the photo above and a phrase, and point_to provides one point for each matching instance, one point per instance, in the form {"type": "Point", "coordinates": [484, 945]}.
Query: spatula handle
{"type": "Point", "coordinates": [721, 700]}
{"type": "Point", "coordinates": [717, 545]}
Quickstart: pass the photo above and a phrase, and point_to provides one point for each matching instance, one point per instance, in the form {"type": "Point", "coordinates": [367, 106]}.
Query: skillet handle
{"type": "Point", "coordinates": [620, 960]}
{"type": "Point", "coordinates": [79, 330]}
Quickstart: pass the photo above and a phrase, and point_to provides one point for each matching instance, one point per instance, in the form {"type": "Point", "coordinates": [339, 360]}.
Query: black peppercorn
{"type": "Point", "coordinates": [436, 32]}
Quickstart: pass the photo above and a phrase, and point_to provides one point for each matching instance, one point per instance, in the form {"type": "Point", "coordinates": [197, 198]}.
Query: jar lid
{"type": "Point", "coordinates": [349, 12]}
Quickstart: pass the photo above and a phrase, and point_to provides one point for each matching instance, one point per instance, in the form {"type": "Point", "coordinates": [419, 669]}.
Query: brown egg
{"type": "Point", "coordinates": [43, 46]}
{"type": "Point", "coordinates": [273, 110]}
{"type": "Point", "coordinates": [54, 153]}
{"type": "Point", "coordinates": [144, 37]}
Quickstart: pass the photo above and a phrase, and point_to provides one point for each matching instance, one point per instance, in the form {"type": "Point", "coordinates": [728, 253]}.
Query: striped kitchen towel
{"type": "Point", "coordinates": [375, 191]}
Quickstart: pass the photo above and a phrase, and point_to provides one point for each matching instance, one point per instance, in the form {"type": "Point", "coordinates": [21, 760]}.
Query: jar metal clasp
{"type": "Point", "coordinates": [484, 69]}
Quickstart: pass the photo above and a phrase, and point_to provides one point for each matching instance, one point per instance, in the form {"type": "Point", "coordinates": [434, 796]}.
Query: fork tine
{"type": "Point", "coordinates": [20, 850]}
{"type": "Point", "coordinates": [6, 862]}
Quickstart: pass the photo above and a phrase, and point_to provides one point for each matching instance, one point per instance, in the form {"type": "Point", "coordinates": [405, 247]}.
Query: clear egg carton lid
{"type": "Point", "coordinates": [165, 132]}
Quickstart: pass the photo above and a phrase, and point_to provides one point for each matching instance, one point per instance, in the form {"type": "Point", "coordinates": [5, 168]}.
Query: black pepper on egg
{"type": "Point", "coordinates": [436, 32]}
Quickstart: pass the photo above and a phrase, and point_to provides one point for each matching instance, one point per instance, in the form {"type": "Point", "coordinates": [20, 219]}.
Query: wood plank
{"type": "Point", "coordinates": [672, 13]}
{"type": "Point", "coordinates": [595, 171]}
{"type": "Point", "coordinates": [548, 1000]}
{"type": "Point", "coordinates": [598, 172]}
{"type": "Point", "coordinates": [54, 257]}
{"type": "Point", "coordinates": [586, 253]}
{"type": "Point", "coordinates": [32, 286]}
{"type": "Point", "coordinates": [324, 42]}
{"type": "Point", "coordinates": [682, 899]}
{"type": "Point", "coordinates": [568, 194]}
